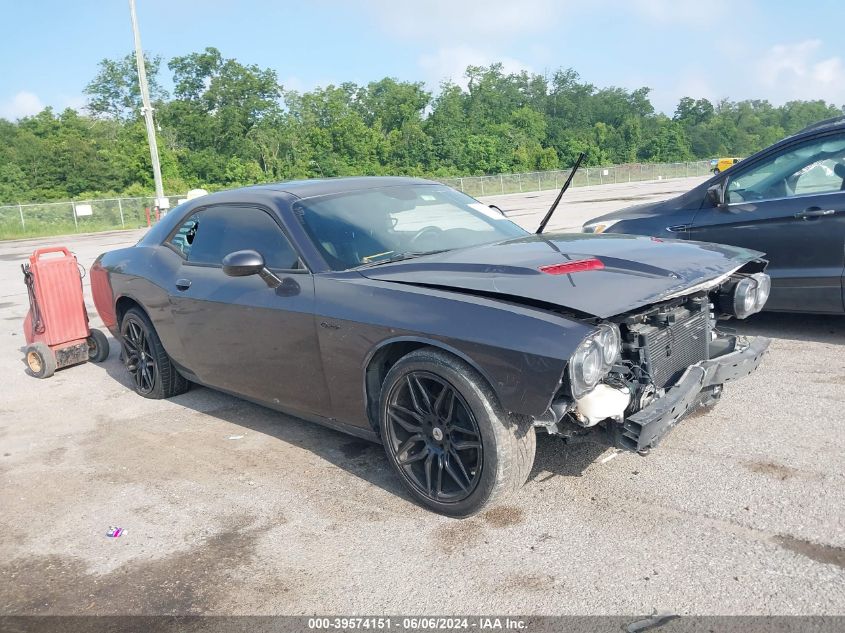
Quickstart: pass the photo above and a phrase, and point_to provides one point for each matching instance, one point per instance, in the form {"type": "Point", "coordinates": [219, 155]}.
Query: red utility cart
{"type": "Point", "coordinates": [56, 326]}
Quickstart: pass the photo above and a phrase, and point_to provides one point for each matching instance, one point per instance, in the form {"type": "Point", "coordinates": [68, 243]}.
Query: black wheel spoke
{"type": "Point", "coordinates": [463, 446]}
{"type": "Point", "coordinates": [447, 396]}
{"type": "Point", "coordinates": [129, 345]}
{"type": "Point", "coordinates": [460, 464]}
{"type": "Point", "coordinates": [149, 370]}
{"type": "Point", "coordinates": [428, 462]}
{"type": "Point", "coordinates": [439, 490]}
{"type": "Point", "coordinates": [447, 463]}
{"type": "Point", "coordinates": [460, 429]}
{"type": "Point", "coordinates": [415, 458]}
{"type": "Point", "coordinates": [407, 444]}
{"type": "Point", "coordinates": [400, 415]}
{"type": "Point", "coordinates": [419, 395]}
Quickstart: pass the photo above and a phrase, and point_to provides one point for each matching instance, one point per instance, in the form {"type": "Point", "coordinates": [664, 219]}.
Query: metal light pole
{"type": "Point", "coordinates": [147, 109]}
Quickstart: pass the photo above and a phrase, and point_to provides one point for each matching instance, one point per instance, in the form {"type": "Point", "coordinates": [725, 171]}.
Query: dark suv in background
{"type": "Point", "coordinates": [787, 200]}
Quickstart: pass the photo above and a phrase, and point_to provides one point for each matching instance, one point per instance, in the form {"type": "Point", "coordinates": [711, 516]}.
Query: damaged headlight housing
{"type": "Point", "coordinates": [750, 295]}
{"type": "Point", "coordinates": [593, 359]}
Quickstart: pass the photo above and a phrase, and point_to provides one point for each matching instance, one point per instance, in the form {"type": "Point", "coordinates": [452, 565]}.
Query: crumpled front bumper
{"type": "Point", "coordinates": [645, 428]}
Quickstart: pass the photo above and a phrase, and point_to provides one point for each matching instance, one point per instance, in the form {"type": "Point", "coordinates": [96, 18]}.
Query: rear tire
{"type": "Point", "coordinates": [98, 346]}
{"type": "Point", "coordinates": [446, 436]}
{"type": "Point", "coordinates": [40, 360]}
{"type": "Point", "coordinates": [153, 373]}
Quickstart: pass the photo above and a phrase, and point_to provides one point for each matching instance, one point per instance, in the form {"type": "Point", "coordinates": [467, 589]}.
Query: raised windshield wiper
{"type": "Point", "coordinates": [398, 257]}
{"type": "Point", "coordinates": [560, 195]}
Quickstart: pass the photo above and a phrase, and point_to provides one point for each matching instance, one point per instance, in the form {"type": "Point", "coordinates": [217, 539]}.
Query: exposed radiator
{"type": "Point", "coordinates": [671, 341]}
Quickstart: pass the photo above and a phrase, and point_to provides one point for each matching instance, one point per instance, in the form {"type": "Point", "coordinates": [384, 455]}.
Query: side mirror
{"type": "Point", "coordinates": [246, 263]}
{"type": "Point", "coordinates": [243, 263]}
{"type": "Point", "coordinates": [716, 195]}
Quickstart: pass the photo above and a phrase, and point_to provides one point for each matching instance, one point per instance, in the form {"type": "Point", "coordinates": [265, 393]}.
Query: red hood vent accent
{"type": "Point", "coordinates": [577, 266]}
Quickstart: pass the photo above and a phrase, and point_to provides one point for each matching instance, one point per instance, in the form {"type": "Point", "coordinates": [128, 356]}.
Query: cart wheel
{"type": "Point", "coordinates": [40, 360]}
{"type": "Point", "coordinates": [98, 346]}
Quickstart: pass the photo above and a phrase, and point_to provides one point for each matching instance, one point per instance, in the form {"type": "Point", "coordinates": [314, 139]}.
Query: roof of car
{"type": "Point", "coordinates": [825, 123]}
{"type": "Point", "coordinates": [323, 186]}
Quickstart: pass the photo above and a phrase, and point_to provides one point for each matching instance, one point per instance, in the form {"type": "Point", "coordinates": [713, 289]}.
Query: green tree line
{"type": "Point", "coordinates": [228, 124]}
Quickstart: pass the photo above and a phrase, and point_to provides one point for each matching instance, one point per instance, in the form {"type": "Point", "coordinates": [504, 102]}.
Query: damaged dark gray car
{"type": "Point", "coordinates": [407, 313]}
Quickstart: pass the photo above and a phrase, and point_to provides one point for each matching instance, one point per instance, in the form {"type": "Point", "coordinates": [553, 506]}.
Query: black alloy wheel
{"type": "Point", "coordinates": [434, 437]}
{"type": "Point", "coordinates": [454, 448]}
{"type": "Point", "coordinates": [153, 374]}
{"type": "Point", "coordinates": [138, 357]}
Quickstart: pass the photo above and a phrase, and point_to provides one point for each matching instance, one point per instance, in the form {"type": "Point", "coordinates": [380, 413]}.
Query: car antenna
{"type": "Point", "coordinates": [563, 189]}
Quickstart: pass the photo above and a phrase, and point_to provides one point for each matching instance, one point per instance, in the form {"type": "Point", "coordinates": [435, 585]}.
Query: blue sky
{"type": "Point", "coordinates": [739, 49]}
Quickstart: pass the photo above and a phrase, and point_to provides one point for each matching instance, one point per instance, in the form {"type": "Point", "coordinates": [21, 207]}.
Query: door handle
{"type": "Point", "coordinates": [183, 284]}
{"type": "Point", "coordinates": [814, 212]}
{"type": "Point", "coordinates": [678, 228]}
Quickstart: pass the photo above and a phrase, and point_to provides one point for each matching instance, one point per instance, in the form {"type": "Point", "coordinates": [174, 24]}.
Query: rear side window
{"type": "Point", "coordinates": [210, 234]}
{"type": "Point", "coordinates": [183, 239]}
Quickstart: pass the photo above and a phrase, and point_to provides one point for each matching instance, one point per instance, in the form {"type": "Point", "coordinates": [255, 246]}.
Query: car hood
{"type": "Point", "coordinates": [637, 270]}
{"type": "Point", "coordinates": [635, 212]}
{"type": "Point", "coordinates": [686, 203]}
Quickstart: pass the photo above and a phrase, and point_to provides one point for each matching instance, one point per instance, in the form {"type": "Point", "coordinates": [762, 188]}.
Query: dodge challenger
{"type": "Point", "coordinates": [404, 312]}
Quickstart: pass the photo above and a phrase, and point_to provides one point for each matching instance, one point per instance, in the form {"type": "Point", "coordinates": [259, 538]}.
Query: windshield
{"type": "Point", "coordinates": [378, 225]}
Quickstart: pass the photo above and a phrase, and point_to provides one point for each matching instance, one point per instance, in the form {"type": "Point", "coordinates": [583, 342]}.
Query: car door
{"type": "Point", "coordinates": [790, 205]}
{"type": "Point", "coordinates": [238, 334]}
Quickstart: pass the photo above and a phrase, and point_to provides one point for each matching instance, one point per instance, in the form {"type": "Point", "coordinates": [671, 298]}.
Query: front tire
{"type": "Point", "coordinates": [446, 436]}
{"type": "Point", "coordinates": [153, 373]}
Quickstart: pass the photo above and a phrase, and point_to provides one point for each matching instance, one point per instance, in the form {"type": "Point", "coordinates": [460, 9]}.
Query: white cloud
{"type": "Point", "coordinates": [21, 105]}
{"type": "Point", "coordinates": [801, 71]}
{"type": "Point", "coordinates": [74, 102]}
{"type": "Point", "coordinates": [780, 73]}
{"type": "Point", "coordinates": [445, 20]}
{"type": "Point", "coordinates": [450, 63]}
{"type": "Point", "coordinates": [690, 84]}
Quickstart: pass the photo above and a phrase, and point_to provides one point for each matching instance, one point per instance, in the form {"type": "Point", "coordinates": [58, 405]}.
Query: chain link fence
{"type": "Point", "coordinates": [545, 180]}
{"type": "Point", "coordinates": [88, 216]}
{"type": "Point", "coordinates": [78, 216]}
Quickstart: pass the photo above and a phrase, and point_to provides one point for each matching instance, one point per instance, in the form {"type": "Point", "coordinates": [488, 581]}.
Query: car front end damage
{"type": "Point", "coordinates": [638, 374]}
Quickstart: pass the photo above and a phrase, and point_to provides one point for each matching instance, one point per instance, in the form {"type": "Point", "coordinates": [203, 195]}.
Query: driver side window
{"type": "Point", "coordinates": [814, 167]}
{"type": "Point", "coordinates": [207, 236]}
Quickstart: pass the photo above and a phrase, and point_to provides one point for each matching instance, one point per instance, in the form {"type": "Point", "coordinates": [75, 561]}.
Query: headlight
{"type": "Point", "coordinates": [598, 227]}
{"type": "Point", "coordinates": [750, 294]}
{"type": "Point", "coordinates": [593, 358]}
{"type": "Point", "coordinates": [745, 297]}
{"type": "Point", "coordinates": [764, 288]}
{"type": "Point", "coordinates": [610, 344]}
